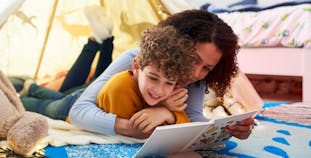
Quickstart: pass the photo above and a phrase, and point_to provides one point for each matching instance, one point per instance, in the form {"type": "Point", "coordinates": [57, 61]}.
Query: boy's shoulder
{"type": "Point", "coordinates": [123, 75]}
{"type": "Point", "coordinates": [121, 80]}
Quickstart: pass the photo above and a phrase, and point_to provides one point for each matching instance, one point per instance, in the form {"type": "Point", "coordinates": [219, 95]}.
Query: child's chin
{"type": "Point", "coordinates": [152, 103]}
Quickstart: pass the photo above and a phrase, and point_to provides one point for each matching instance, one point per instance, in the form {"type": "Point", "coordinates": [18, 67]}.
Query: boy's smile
{"type": "Point", "coordinates": [153, 85]}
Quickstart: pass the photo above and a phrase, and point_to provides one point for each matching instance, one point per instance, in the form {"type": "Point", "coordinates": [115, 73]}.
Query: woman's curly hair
{"type": "Point", "coordinates": [202, 26]}
{"type": "Point", "coordinates": [164, 48]}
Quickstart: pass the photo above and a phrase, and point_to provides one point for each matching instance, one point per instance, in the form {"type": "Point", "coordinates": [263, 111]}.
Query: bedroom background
{"type": "Point", "coordinates": [42, 40]}
{"type": "Point", "coordinates": [45, 32]}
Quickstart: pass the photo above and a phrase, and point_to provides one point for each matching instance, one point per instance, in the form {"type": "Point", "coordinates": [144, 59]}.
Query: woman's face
{"type": "Point", "coordinates": [209, 56]}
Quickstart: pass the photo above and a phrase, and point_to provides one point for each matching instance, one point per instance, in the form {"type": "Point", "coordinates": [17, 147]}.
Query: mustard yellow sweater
{"type": "Point", "coordinates": [121, 96]}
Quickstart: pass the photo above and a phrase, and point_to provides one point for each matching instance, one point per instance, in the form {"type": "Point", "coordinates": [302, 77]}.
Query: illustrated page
{"type": "Point", "coordinates": [215, 136]}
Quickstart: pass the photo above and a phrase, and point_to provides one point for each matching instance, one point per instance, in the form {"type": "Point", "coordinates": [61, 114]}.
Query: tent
{"type": "Point", "coordinates": [43, 38]}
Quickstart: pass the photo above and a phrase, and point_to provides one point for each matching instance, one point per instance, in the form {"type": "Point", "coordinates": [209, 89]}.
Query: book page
{"type": "Point", "coordinates": [214, 137]}
{"type": "Point", "coordinates": [172, 138]}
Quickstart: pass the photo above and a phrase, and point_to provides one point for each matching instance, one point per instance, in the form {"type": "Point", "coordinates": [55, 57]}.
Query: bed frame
{"type": "Point", "coordinates": [279, 61]}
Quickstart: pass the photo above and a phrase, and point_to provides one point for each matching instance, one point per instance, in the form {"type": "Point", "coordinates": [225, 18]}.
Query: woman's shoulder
{"type": "Point", "coordinates": [130, 52]}
{"type": "Point", "coordinates": [199, 84]}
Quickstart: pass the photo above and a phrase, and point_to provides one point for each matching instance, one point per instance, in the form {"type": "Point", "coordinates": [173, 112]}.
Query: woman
{"type": "Point", "coordinates": [216, 45]}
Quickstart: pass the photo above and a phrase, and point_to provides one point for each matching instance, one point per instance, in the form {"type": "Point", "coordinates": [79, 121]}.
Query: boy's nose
{"type": "Point", "coordinates": [158, 90]}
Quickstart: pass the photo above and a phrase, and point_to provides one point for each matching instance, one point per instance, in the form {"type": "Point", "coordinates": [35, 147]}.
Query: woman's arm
{"type": "Point", "coordinates": [196, 92]}
{"type": "Point", "coordinates": [194, 110]}
{"type": "Point", "coordinates": [86, 114]}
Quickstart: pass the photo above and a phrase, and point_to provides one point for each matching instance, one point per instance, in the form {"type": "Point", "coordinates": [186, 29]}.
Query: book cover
{"type": "Point", "coordinates": [190, 136]}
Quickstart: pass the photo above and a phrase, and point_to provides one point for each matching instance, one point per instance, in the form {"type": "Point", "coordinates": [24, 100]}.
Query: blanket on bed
{"type": "Point", "coordinates": [287, 26]}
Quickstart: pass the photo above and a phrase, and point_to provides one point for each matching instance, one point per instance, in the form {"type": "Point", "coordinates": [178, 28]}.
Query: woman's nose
{"type": "Point", "coordinates": [197, 73]}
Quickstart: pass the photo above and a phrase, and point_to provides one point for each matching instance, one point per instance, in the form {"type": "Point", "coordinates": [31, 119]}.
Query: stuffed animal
{"type": "Point", "coordinates": [21, 128]}
{"type": "Point", "coordinates": [221, 106]}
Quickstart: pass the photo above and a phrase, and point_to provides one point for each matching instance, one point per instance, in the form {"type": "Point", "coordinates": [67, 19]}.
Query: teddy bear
{"type": "Point", "coordinates": [241, 97]}
{"type": "Point", "coordinates": [22, 129]}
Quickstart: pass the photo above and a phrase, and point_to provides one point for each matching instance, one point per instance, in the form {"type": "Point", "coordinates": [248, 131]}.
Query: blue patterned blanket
{"type": "Point", "coordinates": [270, 138]}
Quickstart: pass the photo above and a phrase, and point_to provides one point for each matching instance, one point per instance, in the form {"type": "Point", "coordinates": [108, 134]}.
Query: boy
{"type": "Point", "coordinates": [164, 61]}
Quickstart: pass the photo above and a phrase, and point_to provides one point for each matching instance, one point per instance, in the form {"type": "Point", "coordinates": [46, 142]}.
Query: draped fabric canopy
{"type": "Point", "coordinates": [7, 8]}
{"type": "Point", "coordinates": [34, 30]}
{"type": "Point", "coordinates": [42, 38]}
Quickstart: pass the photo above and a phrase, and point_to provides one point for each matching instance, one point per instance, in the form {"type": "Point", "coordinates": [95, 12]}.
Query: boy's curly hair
{"type": "Point", "coordinates": [164, 48]}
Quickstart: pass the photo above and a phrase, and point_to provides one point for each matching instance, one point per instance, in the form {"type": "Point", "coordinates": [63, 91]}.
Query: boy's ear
{"type": "Point", "coordinates": [135, 66]}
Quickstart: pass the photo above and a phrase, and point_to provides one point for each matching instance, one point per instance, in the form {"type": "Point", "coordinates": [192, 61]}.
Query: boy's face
{"type": "Point", "coordinates": [153, 85]}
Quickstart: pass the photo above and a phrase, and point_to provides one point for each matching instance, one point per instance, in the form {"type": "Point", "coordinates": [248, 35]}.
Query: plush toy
{"type": "Point", "coordinates": [240, 98]}
{"type": "Point", "coordinates": [21, 128]}
{"type": "Point", "coordinates": [221, 106]}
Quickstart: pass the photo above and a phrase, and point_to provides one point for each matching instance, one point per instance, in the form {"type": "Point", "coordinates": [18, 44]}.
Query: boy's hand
{"type": "Point", "coordinates": [148, 119]}
{"type": "Point", "coordinates": [123, 127]}
{"type": "Point", "coordinates": [176, 101]}
{"type": "Point", "coordinates": [242, 130]}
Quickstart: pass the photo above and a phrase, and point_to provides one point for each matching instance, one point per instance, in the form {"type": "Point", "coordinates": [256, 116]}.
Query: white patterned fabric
{"type": "Point", "coordinates": [288, 26]}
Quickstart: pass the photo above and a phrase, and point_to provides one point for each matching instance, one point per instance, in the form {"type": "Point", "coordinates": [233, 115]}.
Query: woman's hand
{"type": "Point", "coordinates": [242, 130]}
{"type": "Point", "coordinates": [148, 119]}
{"type": "Point", "coordinates": [176, 101]}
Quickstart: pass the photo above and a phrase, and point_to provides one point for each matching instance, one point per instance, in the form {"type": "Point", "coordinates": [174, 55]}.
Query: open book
{"type": "Point", "coordinates": [190, 136]}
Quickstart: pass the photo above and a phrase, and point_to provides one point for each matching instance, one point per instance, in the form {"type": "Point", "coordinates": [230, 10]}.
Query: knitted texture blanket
{"type": "Point", "coordinates": [297, 112]}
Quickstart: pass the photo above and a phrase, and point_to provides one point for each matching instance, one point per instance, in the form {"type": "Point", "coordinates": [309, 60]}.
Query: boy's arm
{"type": "Point", "coordinates": [149, 118]}
{"type": "Point", "coordinates": [85, 113]}
{"type": "Point", "coordinates": [122, 126]}
{"type": "Point", "coordinates": [181, 117]}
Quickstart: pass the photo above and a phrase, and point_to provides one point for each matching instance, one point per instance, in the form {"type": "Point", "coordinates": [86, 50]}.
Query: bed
{"type": "Point", "coordinates": [279, 61]}
{"type": "Point", "coordinates": [275, 42]}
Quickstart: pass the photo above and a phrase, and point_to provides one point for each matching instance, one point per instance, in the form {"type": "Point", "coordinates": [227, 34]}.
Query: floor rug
{"type": "Point", "coordinates": [272, 137]}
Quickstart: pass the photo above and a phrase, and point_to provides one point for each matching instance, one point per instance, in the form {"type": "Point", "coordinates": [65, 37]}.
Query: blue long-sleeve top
{"type": "Point", "coordinates": [87, 115]}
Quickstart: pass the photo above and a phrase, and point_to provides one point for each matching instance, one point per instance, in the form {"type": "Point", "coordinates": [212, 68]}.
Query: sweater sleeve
{"type": "Point", "coordinates": [85, 113]}
{"type": "Point", "coordinates": [195, 100]}
{"type": "Point", "coordinates": [181, 117]}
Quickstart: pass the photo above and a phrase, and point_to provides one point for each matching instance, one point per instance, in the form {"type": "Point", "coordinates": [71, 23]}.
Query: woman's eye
{"type": "Point", "coordinates": [206, 68]}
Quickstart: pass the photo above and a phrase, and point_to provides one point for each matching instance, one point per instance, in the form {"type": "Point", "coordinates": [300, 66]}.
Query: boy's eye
{"type": "Point", "coordinates": [170, 83]}
{"type": "Point", "coordinates": [153, 78]}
